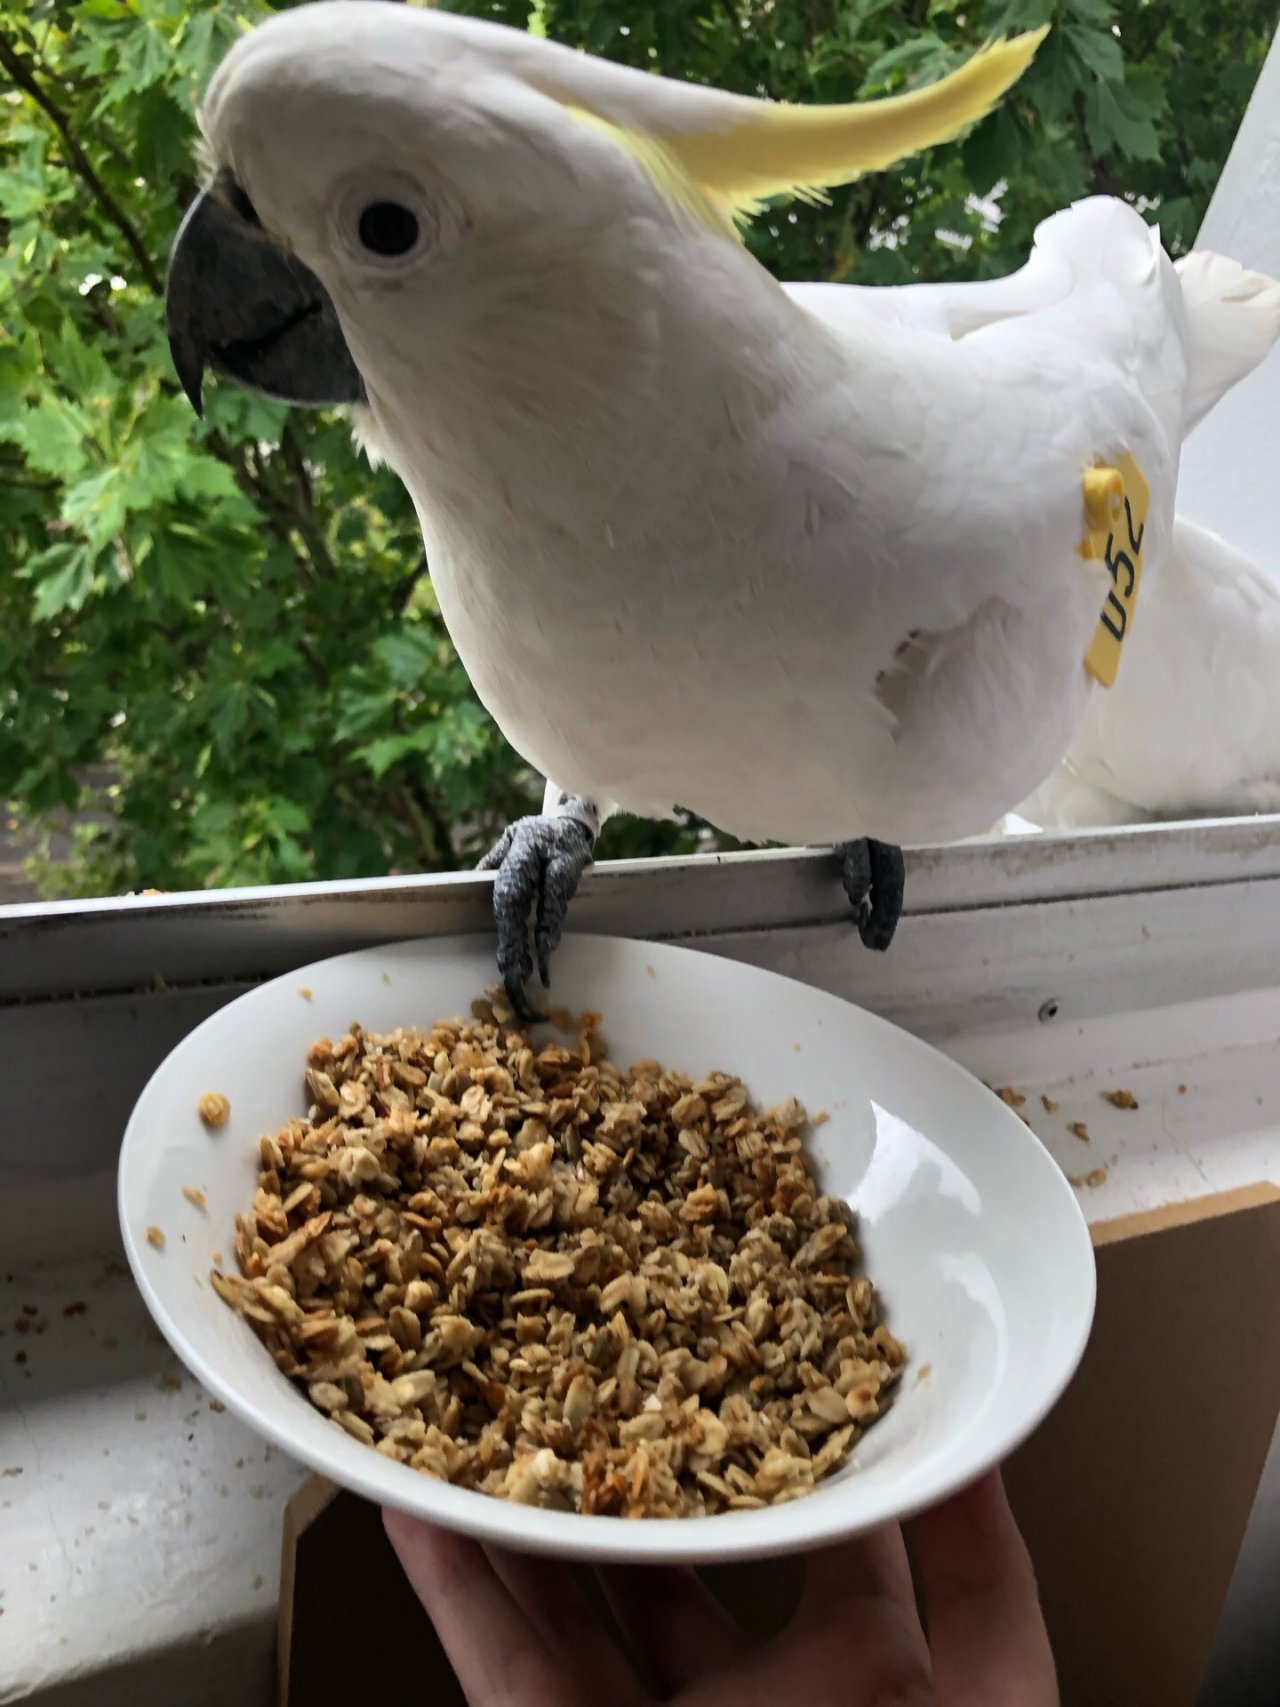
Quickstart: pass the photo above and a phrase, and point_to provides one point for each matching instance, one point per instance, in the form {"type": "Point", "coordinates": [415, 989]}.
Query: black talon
{"type": "Point", "coordinates": [538, 862]}
{"type": "Point", "coordinates": [874, 880]}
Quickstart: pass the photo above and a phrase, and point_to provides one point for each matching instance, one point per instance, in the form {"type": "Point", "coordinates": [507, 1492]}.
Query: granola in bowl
{"type": "Point", "coordinates": [520, 1268]}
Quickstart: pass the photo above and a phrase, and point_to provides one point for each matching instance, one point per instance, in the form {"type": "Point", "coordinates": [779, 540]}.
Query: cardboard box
{"type": "Point", "coordinates": [1133, 1495]}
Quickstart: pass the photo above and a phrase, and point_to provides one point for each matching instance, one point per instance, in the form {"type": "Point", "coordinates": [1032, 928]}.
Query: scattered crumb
{"type": "Point", "coordinates": [1182, 1090]}
{"type": "Point", "coordinates": [256, 1583]}
{"type": "Point", "coordinates": [13, 1470]}
{"type": "Point", "coordinates": [194, 1195]}
{"type": "Point", "coordinates": [155, 1237]}
{"type": "Point", "coordinates": [1008, 1095]}
{"type": "Point", "coordinates": [139, 1416]}
{"type": "Point", "coordinates": [257, 1491]}
{"type": "Point", "coordinates": [1121, 1099]}
{"type": "Point", "coordinates": [1259, 1102]}
{"type": "Point", "coordinates": [170, 1383]}
{"type": "Point", "coordinates": [386, 977]}
{"type": "Point", "coordinates": [1078, 1129]}
{"type": "Point", "coordinates": [305, 992]}
{"type": "Point", "coordinates": [649, 969]}
{"type": "Point", "coordinates": [1096, 1177]}
{"type": "Point", "coordinates": [19, 1357]}
{"type": "Point", "coordinates": [215, 1110]}
{"type": "Point", "coordinates": [924, 1373]}
{"type": "Point", "coordinates": [217, 1257]}
{"type": "Point", "coordinates": [74, 1309]}
{"type": "Point", "coordinates": [111, 1342]}
{"type": "Point", "coordinates": [1048, 1104]}
{"type": "Point", "coordinates": [30, 1309]}
{"type": "Point", "coordinates": [22, 1325]}
{"type": "Point", "coordinates": [820, 1119]}
{"type": "Point", "coordinates": [217, 1405]}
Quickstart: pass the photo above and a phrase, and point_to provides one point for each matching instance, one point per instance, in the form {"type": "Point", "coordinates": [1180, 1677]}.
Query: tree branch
{"type": "Point", "coordinates": [430, 828]}
{"type": "Point", "coordinates": [303, 510]}
{"type": "Point", "coordinates": [404, 592]}
{"type": "Point", "coordinates": [20, 71]}
{"type": "Point", "coordinates": [7, 479]}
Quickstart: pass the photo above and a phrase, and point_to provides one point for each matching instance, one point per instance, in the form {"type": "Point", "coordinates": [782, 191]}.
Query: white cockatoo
{"type": "Point", "coordinates": [1192, 727]}
{"type": "Point", "coordinates": [820, 564]}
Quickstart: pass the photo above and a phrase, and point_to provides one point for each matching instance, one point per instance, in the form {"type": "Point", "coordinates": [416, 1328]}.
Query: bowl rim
{"type": "Point", "coordinates": [791, 1528]}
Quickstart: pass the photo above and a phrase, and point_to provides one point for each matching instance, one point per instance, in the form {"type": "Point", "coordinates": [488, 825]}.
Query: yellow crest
{"type": "Point", "coordinates": [725, 171]}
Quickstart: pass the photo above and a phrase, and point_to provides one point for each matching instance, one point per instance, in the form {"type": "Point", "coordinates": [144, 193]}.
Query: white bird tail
{"type": "Point", "coordinates": [1233, 319]}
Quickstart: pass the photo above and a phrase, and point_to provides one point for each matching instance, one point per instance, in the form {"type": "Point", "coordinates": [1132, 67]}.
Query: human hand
{"type": "Point", "coordinates": [519, 1632]}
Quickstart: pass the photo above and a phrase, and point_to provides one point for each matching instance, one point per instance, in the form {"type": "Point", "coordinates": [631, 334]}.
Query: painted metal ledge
{"type": "Point", "coordinates": [51, 950]}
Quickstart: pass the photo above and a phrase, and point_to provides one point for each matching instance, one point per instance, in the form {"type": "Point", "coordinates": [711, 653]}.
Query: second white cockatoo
{"type": "Point", "coordinates": [819, 564]}
{"type": "Point", "coordinates": [1192, 727]}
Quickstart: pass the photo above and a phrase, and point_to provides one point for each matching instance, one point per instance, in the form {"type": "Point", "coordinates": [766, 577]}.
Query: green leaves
{"type": "Point", "coordinates": [233, 628]}
{"type": "Point", "coordinates": [52, 434]}
{"type": "Point", "coordinates": [1119, 119]}
{"type": "Point", "coordinates": [64, 579]}
{"type": "Point", "coordinates": [144, 59]}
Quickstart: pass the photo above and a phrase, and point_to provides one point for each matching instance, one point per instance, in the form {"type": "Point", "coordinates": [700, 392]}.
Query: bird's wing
{"type": "Point", "coordinates": [939, 310]}
{"type": "Point", "coordinates": [983, 407]}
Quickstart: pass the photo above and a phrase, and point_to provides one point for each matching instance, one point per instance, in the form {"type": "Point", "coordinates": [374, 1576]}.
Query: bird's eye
{"type": "Point", "coordinates": [387, 228]}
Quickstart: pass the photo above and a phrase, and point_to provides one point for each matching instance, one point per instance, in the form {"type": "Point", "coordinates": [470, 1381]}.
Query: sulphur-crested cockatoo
{"type": "Point", "coordinates": [1192, 726]}
{"type": "Point", "coordinates": [820, 565]}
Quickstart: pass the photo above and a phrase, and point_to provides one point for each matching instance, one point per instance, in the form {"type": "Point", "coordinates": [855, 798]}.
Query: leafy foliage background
{"type": "Point", "coordinates": [218, 638]}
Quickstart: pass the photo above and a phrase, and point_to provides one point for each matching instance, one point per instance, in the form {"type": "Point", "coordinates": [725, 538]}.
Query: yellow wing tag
{"type": "Point", "coordinates": [1116, 501]}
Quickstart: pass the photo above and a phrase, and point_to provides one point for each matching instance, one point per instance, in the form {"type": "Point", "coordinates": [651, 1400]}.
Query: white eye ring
{"type": "Point", "coordinates": [386, 223]}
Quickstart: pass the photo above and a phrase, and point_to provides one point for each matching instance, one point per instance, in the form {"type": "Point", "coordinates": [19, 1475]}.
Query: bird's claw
{"type": "Point", "coordinates": [538, 862]}
{"type": "Point", "coordinates": [874, 879]}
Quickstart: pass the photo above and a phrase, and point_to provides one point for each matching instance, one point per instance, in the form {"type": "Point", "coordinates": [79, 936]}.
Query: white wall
{"type": "Point", "coordinates": [1230, 479]}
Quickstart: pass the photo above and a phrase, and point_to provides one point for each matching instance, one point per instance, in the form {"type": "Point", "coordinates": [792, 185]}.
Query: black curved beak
{"type": "Point", "coordinates": [236, 302]}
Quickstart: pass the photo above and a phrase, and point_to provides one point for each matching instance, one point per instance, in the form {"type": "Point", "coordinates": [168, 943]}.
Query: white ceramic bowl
{"type": "Point", "coordinates": [969, 1229]}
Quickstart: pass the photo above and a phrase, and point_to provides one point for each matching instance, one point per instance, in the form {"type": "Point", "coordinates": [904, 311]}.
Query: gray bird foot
{"type": "Point", "coordinates": [874, 879]}
{"type": "Point", "coordinates": [538, 861]}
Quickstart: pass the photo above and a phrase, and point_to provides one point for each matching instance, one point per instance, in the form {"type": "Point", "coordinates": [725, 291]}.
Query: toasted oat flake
{"type": "Point", "coordinates": [1121, 1099]}
{"type": "Point", "coordinates": [215, 1109]}
{"type": "Point", "coordinates": [194, 1196]}
{"type": "Point", "coordinates": [511, 1264]}
{"type": "Point", "coordinates": [1094, 1178]}
{"type": "Point", "coordinates": [155, 1237]}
